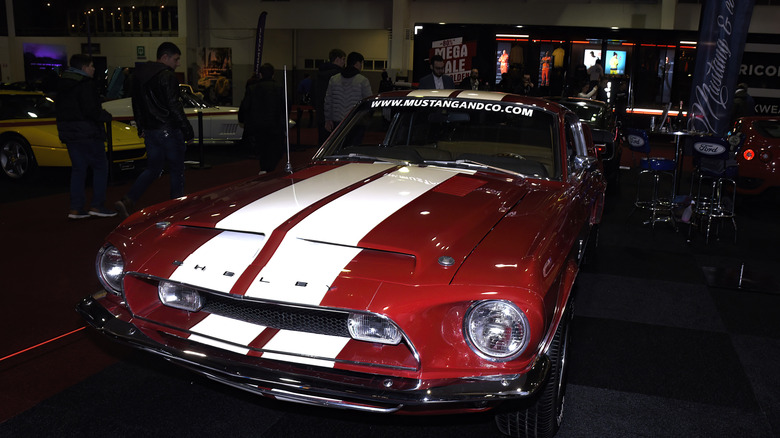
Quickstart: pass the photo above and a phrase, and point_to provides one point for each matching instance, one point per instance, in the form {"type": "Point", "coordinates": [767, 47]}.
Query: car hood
{"type": "Point", "coordinates": [301, 234]}
{"type": "Point", "coordinates": [123, 108]}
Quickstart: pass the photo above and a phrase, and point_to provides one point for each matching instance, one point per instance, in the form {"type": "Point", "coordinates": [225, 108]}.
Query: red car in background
{"type": "Point", "coordinates": [424, 262]}
{"type": "Point", "coordinates": [759, 153]}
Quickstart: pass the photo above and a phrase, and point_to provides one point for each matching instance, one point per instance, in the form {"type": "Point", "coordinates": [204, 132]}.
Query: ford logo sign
{"type": "Point", "coordinates": [636, 140]}
{"type": "Point", "coordinates": [709, 148]}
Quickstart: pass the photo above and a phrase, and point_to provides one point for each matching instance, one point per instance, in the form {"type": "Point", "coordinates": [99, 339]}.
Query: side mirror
{"type": "Point", "coordinates": [582, 163]}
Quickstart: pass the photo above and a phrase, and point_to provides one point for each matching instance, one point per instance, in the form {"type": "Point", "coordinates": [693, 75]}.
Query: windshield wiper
{"type": "Point", "coordinates": [353, 156]}
{"type": "Point", "coordinates": [471, 164]}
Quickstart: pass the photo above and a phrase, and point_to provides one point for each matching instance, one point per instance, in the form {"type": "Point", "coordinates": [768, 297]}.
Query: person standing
{"type": "Point", "coordinates": [527, 89]}
{"type": "Point", "coordinates": [437, 79]}
{"type": "Point", "coordinates": [595, 73]}
{"type": "Point", "coordinates": [744, 105]}
{"type": "Point", "coordinates": [80, 124]}
{"type": "Point", "coordinates": [345, 90]}
{"type": "Point", "coordinates": [262, 112]}
{"type": "Point", "coordinates": [473, 82]}
{"type": "Point", "coordinates": [337, 59]}
{"type": "Point", "coordinates": [161, 122]}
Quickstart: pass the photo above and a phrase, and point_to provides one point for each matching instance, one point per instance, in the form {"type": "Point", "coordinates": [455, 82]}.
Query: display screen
{"type": "Point", "coordinates": [502, 59]}
{"type": "Point", "coordinates": [590, 57]}
{"type": "Point", "coordinates": [615, 63]}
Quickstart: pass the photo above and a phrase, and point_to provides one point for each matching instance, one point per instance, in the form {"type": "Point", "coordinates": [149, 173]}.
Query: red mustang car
{"type": "Point", "coordinates": [759, 153]}
{"type": "Point", "coordinates": [422, 263]}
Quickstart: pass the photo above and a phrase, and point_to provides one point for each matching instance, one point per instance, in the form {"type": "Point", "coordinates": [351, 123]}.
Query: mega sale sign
{"type": "Point", "coordinates": [457, 56]}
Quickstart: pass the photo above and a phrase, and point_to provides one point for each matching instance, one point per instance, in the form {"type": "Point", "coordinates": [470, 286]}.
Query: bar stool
{"type": "Point", "coordinates": [714, 178]}
{"type": "Point", "coordinates": [651, 169]}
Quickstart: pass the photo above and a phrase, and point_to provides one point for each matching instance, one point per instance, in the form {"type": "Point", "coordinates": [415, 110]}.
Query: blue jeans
{"type": "Point", "coordinates": [162, 145]}
{"type": "Point", "coordinates": [83, 155]}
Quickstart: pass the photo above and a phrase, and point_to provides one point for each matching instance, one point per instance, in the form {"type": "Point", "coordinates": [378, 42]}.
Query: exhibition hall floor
{"type": "Point", "coordinates": [667, 340]}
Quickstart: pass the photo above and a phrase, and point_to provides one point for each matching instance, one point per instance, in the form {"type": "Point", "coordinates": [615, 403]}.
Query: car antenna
{"type": "Point", "coordinates": [288, 167]}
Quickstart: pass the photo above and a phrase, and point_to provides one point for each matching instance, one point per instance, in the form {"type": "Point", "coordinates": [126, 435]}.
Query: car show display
{"type": "Point", "coordinates": [606, 132]}
{"type": "Point", "coordinates": [29, 137]}
{"type": "Point", "coordinates": [220, 123]}
{"type": "Point", "coordinates": [423, 262]}
{"type": "Point", "coordinates": [758, 154]}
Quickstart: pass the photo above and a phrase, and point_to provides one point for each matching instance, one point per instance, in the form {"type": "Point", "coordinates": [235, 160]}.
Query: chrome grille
{"type": "Point", "coordinates": [325, 322]}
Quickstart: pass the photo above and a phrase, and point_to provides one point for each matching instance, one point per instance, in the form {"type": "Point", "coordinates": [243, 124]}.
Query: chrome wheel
{"type": "Point", "coordinates": [16, 157]}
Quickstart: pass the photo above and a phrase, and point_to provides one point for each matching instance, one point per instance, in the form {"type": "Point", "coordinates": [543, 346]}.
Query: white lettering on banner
{"type": "Point", "coordinates": [768, 109]}
{"type": "Point", "coordinates": [759, 70]}
{"type": "Point", "coordinates": [709, 148]}
{"type": "Point", "coordinates": [713, 93]}
{"type": "Point", "coordinates": [457, 56]}
{"type": "Point", "coordinates": [447, 42]}
{"type": "Point", "coordinates": [455, 104]}
{"type": "Point", "coordinates": [450, 52]}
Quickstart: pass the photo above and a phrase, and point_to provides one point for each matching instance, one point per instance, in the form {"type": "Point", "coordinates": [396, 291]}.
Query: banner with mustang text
{"type": "Point", "coordinates": [723, 29]}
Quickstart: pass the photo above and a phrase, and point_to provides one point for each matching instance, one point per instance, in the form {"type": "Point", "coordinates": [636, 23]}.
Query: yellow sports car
{"type": "Point", "coordinates": [29, 138]}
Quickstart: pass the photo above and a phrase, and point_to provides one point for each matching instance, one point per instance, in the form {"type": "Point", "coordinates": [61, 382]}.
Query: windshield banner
{"type": "Point", "coordinates": [454, 104]}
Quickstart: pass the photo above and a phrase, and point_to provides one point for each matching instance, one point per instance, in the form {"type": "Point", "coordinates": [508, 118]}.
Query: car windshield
{"type": "Point", "coordinates": [768, 128]}
{"type": "Point", "coordinates": [587, 112]}
{"type": "Point", "coordinates": [26, 106]}
{"type": "Point", "coordinates": [495, 136]}
{"type": "Point", "coordinates": [191, 100]}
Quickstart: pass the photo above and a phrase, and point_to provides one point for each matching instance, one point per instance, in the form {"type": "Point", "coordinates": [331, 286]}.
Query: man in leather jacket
{"type": "Point", "coordinates": [161, 122]}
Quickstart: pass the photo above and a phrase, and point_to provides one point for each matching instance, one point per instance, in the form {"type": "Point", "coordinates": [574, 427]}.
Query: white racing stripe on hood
{"type": "Point", "coordinates": [267, 213]}
{"type": "Point", "coordinates": [302, 270]}
{"type": "Point", "coordinates": [309, 344]}
{"type": "Point", "coordinates": [218, 263]}
{"type": "Point", "coordinates": [228, 329]}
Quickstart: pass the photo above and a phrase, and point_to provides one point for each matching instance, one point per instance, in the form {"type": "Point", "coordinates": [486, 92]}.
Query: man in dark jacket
{"type": "Point", "coordinates": [263, 114]}
{"type": "Point", "coordinates": [161, 122]}
{"type": "Point", "coordinates": [327, 70]}
{"type": "Point", "coordinates": [80, 123]}
{"type": "Point", "coordinates": [437, 80]}
{"type": "Point", "coordinates": [744, 105]}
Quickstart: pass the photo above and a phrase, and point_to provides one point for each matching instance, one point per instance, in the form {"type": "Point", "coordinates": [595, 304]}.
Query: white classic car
{"type": "Point", "coordinates": [220, 123]}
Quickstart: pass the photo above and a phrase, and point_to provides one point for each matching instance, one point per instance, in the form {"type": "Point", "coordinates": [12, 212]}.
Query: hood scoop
{"type": "Point", "coordinates": [459, 186]}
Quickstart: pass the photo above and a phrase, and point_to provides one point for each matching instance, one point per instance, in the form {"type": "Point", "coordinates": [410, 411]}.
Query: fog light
{"type": "Point", "coordinates": [373, 328]}
{"type": "Point", "coordinates": [179, 296]}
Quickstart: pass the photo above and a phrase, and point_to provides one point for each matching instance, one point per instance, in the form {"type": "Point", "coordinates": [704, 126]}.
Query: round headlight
{"type": "Point", "coordinates": [496, 330]}
{"type": "Point", "coordinates": [110, 268]}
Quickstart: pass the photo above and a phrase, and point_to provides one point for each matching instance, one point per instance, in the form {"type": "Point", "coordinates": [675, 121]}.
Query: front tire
{"type": "Point", "coordinates": [16, 157]}
{"type": "Point", "coordinates": [543, 418]}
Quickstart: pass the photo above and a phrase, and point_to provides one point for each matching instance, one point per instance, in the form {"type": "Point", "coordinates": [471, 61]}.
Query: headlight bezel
{"type": "Point", "coordinates": [478, 346]}
{"type": "Point", "coordinates": [109, 259]}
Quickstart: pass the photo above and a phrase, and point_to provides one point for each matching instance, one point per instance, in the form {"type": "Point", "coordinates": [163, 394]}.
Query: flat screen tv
{"type": "Point", "coordinates": [615, 64]}
{"type": "Point", "coordinates": [590, 57]}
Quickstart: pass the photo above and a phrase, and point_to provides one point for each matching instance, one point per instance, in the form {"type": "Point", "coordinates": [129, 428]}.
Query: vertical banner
{"type": "Point", "coordinates": [723, 29]}
{"type": "Point", "coordinates": [457, 56]}
{"type": "Point", "coordinates": [259, 38]}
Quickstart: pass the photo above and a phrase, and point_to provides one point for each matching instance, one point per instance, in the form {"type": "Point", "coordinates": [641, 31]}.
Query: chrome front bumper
{"type": "Point", "coordinates": [318, 386]}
